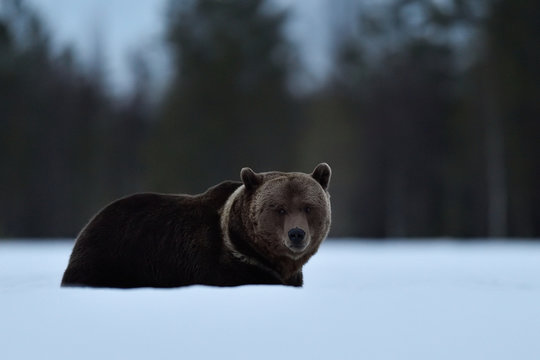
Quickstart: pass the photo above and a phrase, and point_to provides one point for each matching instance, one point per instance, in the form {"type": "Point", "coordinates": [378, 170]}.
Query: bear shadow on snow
{"type": "Point", "coordinates": [258, 231]}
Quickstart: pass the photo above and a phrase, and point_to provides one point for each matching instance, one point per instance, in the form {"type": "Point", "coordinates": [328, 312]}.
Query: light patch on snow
{"type": "Point", "coordinates": [361, 300]}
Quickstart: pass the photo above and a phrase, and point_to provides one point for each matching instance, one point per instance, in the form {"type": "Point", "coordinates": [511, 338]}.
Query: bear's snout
{"type": "Point", "coordinates": [297, 236]}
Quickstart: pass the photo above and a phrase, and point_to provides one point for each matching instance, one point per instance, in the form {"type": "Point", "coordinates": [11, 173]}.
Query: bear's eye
{"type": "Point", "coordinates": [307, 209]}
{"type": "Point", "coordinates": [282, 211]}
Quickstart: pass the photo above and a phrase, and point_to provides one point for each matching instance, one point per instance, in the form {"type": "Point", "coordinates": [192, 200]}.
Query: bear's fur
{"type": "Point", "coordinates": [258, 231]}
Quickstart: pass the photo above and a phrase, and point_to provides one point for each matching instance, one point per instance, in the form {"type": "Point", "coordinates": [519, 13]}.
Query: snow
{"type": "Point", "coordinates": [361, 300]}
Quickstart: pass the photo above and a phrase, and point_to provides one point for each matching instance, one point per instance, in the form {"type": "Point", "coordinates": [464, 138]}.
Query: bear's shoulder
{"type": "Point", "coordinates": [219, 193]}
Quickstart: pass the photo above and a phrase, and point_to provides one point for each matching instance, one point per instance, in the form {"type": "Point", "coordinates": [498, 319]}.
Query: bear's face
{"type": "Point", "coordinates": [289, 213]}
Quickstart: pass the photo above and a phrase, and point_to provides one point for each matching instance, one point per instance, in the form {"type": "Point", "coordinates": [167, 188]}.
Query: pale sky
{"type": "Point", "coordinates": [123, 26]}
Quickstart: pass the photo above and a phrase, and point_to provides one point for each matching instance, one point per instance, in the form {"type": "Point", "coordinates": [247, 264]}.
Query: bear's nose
{"type": "Point", "coordinates": [296, 235]}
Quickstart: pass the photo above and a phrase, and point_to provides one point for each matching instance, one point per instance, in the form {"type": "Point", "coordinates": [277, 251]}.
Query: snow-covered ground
{"type": "Point", "coordinates": [361, 300]}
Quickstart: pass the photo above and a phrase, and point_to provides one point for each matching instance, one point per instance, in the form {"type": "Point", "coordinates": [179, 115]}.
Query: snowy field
{"type": "Point", "coordinates": [361, 300]}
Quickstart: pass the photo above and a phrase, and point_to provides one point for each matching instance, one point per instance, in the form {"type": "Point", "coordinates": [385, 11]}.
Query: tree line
{"type": "Point", "coordinates": [429, 117]}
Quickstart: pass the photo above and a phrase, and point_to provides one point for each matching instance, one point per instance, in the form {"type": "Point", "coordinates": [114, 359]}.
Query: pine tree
{"type": "Point", "coordinates": [227, 105]}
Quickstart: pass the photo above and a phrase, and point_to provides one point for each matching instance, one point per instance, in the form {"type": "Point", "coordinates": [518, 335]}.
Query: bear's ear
{"type": "Point", "coordinates": [322, 174]}
{"type": "Point", "coordinates": [250, 178]}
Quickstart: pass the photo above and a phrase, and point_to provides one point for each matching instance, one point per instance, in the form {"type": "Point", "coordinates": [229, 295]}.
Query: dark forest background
{"type": "Point", "coordinates": [430, 117]}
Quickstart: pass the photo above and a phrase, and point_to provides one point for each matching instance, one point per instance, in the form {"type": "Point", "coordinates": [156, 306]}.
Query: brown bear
{"type": "Point", "coordinates": [258, 231]}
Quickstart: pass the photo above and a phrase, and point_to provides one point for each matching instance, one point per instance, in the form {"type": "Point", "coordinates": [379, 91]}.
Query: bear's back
{"type": "Point", "coordinates": [150, 239]}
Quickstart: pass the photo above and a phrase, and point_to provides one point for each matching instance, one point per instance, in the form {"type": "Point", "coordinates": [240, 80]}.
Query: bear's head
{"type": "Point", "coordinates": [282, 217]}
